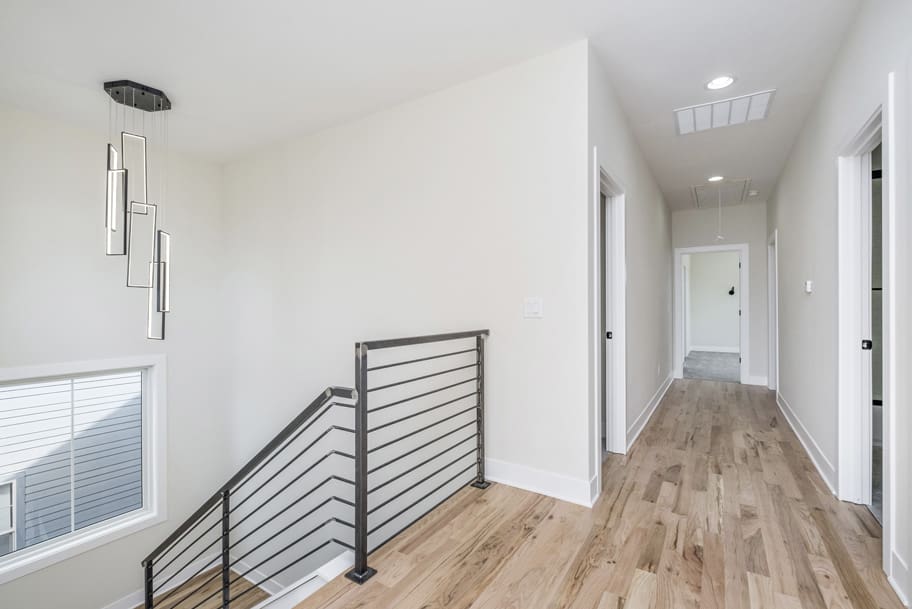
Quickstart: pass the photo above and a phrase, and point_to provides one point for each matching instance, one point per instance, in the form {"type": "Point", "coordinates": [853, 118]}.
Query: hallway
{"type": "Point", "coordinates": [717, 505]}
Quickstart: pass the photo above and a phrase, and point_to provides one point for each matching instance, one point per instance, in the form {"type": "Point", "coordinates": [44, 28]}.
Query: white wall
{"type": "Point", "coordinates": [714, 321]}
{"type": "Point", "coordinates": [740, 224]}
{"type": "Point", "coordinates": [648, 249]}
{"type": "Point", "coordinates": [804, 210]}
{"type": "Point", "coordinates": [63, 300]}
{"type": "Point", "coordinates": [440, 214]}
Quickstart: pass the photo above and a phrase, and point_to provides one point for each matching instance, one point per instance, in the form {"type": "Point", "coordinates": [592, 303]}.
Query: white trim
{"type": "Point", "coordinates": [134, 599]}
{"type": "Point", "coordinates": [772, 291]}
{"type": "Point", "coordinates": [823, 465]}
{"type": "Point", "coordinates": [616, 395]}
{"type": "Point", "coordinates": [678, 343]}
{"type": "Point", "coordinates": [29, 560]}
{"type": "Point", "coordinates": [538, 481]}
{"type": "Point", "coordinates": [760, 381]}
{"type": "Point", "coordinates": [640, 422]}
{"type": "Point", "coordinates": [900, 578]}
{"type": "Point", "coordinates": [270, 585]}
{"type": "Point", "coordinates": [713, 349]}
{"type": "Point", "coordinates": [853, 310]}
{"type": "Point", "coordinates": [137, 597]}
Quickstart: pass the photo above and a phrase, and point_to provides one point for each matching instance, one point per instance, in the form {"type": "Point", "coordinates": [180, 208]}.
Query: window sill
{"type": "Point", "coordinates": [50, 552]}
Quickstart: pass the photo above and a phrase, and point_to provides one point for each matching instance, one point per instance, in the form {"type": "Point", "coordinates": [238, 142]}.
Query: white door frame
{"type": "Point", "coordinates": [616, 415]}
{"type": "Point", "coordinates": [744, 290]}
{"type": "Point", "coordinates": [854, 313]}
{"type": "Point", "coordinates": [854, 384]}
{"type": "Point", "coordinates": [773, 309]}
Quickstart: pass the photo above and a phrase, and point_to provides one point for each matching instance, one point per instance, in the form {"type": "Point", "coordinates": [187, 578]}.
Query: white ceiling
{"type": "Point", "coordinates": [246, 74]}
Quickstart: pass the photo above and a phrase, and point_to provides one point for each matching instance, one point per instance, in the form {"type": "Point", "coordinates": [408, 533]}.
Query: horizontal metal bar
{"type": "Point", "coordinates": [420, 340]}
{"type": "Point", "coordinates": [216, 573]}
{"type": "Point", "coordinates": [282, 448]}
{"type": "Point", "coordinates": [192, 560]}
{"type": "Point", "coordinates": [199, 520]}
{"type": "Point", "coordinates": [293, 460]}
{"type": "Point", "coordinates": [426, 444]}
{"type": "Point", "coordinates": [262, 455]}
{"type": "Point", "coordinates": [286, 547]}
{"type": "Point", "coordinates": [425, 428]}
{"type": "Point", "coordinates": [289, 506]}
{"type": "Point", "coordinates": [422, 481]}
{"type": "Point", "coordinates": [199, 516]}
{"type": "Point", "coordinates": [290, 565]}
{"type": "Point", "coordinates": [421, 412]}
{"type": "Point", "coordinates": [421, 378]}
{"type": "Point", "coordinates": [421, 359]}
{"type": "Point", "coordinates": [419, 500]}
{"type": "Point", "coordinates": [422, 395]}
{"type": "Point", "coordinates": [423, 463]}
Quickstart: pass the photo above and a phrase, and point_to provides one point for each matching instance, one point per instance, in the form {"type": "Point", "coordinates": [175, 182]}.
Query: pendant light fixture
{"type": "Point", "coordinates": [131, 218]}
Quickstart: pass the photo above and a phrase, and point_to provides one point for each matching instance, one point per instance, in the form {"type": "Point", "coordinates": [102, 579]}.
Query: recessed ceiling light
{"type": "Point", "coordinates": [720, 82]}
{"type": "Point", "coordinates": [716, 179]}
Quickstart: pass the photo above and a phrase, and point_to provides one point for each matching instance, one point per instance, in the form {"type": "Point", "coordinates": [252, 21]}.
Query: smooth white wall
{"type": "Point", "coordinates": [804, 210]}
{"type": "Point", "coordinates": [63, 300]}
{"type": "Point", "coordinates": [648, 245]}
{"type": "Point", "coordinates": [740, 224]}
{"type": "Point", "coordinates": [437, 215]}
{"type": "Point", "coordinates": [714, 321]}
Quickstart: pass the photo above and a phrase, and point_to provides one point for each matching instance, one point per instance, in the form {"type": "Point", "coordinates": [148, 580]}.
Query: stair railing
{"type": "Point", "coordinates": [419, 432]}
{"type": "Point", "coordinates": [370, 462]}
{"type": "Point", "coordinates": [268, 518]}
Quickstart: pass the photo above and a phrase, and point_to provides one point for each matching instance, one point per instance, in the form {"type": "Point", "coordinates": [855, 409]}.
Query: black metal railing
{"type": "Point", "coordinates": [419, 432]}
{"type": "Point", "coordinates": [288, 504]}
{"type": "Point", "coordinates": [352, 471]}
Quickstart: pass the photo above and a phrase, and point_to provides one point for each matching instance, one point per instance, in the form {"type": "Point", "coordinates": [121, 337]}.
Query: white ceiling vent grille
{"type": "Point", "coordinates": [734, 192]}
{"type": "Point", "coordinates": [724, 113]}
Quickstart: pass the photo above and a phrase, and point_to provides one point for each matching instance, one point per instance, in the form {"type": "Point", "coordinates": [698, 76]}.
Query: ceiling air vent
{"type": "Point", "coordinates": [734, 192]}
{"type": "Point", "coordinates": [724, 113]}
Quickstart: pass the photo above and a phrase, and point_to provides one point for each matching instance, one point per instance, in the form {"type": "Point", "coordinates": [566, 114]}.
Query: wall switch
{"type": "Point", "coordinates": [533, 308]}
{"type": "Point", "coordinates": [809, 286]}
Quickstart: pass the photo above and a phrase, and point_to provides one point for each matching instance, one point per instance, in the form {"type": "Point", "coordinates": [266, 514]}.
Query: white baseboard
{"type": "Point", "coordinates": [594, 490]}
{"type": "Point", "coordinates": [269, 585]}
{"type": "Point", "coordinates": [137, 598]}
{"type": "Point", "coordinates": [633, 432]}
{"type": "Point", "coordinates": [713, 349]}
{"type": "Point", "coordinates": [823, 465]}
{"type": "Point", "coordinates": [901, 579]}
{"type": "Point", "coordinates": [130, 601]}
{"type": "Point", "coordinates": [539, 481]}
{"type": "Point", "coordinates": [757, 380]}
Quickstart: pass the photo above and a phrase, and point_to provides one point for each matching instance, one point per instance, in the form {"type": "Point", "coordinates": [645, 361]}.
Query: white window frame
{"type": "Point", "coordinates": [28, 560]}
{"type": "Point", "coordinates": [13, 514]}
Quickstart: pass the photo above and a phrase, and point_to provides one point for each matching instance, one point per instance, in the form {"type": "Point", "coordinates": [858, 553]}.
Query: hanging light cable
{"type": "Point", "coordinates": [719, 235]}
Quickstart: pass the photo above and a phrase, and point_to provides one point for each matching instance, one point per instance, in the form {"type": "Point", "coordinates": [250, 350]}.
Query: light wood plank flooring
{"type": "Point", "coordinates": [717, 505]}
{"type": "Point", "coordinates": [186, 596]}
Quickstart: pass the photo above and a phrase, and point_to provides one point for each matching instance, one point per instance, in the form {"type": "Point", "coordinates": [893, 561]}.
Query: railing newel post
{"type": "Point", "coordinates": [480, 481]}
{"type": "Point", "coordinates": [226, 546]}
{"type": "Point", "coordinates": [361, 572]}
{"type": "Point", "coordinates": [147, 567]}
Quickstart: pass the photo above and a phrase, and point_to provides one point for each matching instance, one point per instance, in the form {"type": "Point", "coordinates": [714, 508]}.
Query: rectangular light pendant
{"type": "Point", "coordinates": [724, 113]}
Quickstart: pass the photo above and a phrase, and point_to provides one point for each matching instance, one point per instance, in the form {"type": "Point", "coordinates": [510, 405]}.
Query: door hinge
{"type": "Point", "coordinates": [867, 344]}
{"type": "Point", "coordinates": [609, 335]}
{"type": "Point", "coordinates": [739, 312]}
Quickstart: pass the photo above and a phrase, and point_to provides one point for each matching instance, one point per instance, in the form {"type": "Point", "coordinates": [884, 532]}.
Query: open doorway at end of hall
{"type": "Point", "coordinates": [711, 315]}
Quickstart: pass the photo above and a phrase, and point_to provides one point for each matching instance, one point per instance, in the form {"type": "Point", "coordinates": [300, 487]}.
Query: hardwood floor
{"type": "Point", "coordinates": [717, 505]}
{"type": "Point", "coordinates": [201, 592]}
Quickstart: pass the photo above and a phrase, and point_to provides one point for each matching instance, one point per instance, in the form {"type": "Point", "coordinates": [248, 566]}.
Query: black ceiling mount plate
{"type": "Point", "coordinates": [139, 96]}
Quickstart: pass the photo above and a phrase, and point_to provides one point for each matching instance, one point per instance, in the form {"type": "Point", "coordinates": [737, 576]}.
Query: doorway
{"type": "Point", "coordinates": [866, 353]}
{"type": "Point", "coordinates": [772, 265]}
{"type": "Point", "coordinates": [712, 316]}
{"type": "Point", "coordinates": [610, 307]}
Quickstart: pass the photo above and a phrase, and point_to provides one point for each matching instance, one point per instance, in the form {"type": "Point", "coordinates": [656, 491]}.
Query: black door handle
{"type": "Point", "coordinates": [867, 344]}
{"type": "Point", "coordinates": [608, 335]}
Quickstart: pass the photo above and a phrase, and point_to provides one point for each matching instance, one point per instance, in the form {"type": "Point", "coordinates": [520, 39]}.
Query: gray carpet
{"type": "Point", "coordinates": [712, 366]}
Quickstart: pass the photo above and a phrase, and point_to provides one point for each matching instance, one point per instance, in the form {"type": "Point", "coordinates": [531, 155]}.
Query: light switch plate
{"type": "Point", "coordinates": [533, 307]}
{"type": "Point", "coordinates": [809, 286]}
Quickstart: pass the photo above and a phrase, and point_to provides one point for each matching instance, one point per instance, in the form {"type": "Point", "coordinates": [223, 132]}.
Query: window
{"type": "Point", "coordinates": [76, 461]}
